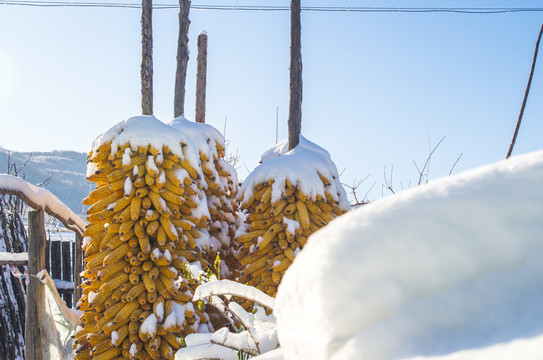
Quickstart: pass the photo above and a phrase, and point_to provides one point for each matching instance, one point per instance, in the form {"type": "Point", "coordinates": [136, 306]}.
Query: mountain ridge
{"type": "Point", "coordinates": [67, 168]}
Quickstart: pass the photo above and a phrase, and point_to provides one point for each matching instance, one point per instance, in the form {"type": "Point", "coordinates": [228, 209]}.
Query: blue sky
{"type": "Point", "coordinates": [377, 87]}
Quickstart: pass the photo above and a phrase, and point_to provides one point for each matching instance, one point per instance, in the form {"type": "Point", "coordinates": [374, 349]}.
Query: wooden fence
{"type": "Point", "coordinates": [60, 264]}
{"type": "Point", "coordinates": [65, 258]}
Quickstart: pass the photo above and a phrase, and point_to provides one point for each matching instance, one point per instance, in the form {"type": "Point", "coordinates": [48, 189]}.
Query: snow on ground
{"type": "Point", "coordinates": [451, 266]}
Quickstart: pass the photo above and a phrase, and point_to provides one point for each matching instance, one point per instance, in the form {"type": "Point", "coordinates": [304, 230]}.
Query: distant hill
{"type": "Point", "coordinates": [68, 169]}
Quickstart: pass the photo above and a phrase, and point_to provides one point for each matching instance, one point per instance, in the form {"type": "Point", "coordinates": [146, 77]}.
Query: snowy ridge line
{"type": "Point", "coordinates": [13, 258]}
{"type": "Point", "coordinates": [38, 198]}
{"type": "Point", "coordinates": [228, 287]}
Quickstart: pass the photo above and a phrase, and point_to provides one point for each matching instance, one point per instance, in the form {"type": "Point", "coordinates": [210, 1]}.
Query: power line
{"type": "Point", "coordinates": [353, 9]}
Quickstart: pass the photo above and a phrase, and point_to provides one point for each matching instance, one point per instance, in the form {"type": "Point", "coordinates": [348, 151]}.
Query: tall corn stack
{"type": "Point", "coordinates": [141, 244]}
{"type": "Point", "coordinates": [221, 193]}
{"type": "Point", "coordinates": [289, 196]}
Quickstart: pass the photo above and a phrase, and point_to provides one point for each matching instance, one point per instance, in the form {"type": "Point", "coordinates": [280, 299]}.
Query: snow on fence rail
{"type": "Point", "coordinates": [38, 198]}
{"type": "Point", "coordinates": [13, 259]}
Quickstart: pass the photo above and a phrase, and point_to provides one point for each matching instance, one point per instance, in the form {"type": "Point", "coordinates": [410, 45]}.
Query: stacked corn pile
{"type": "Point", "coordinates": [139, 242]}
{"type": "Point", "coordinates": [287, 198]}
{"type": "Point", "coordinates": [221, 194]}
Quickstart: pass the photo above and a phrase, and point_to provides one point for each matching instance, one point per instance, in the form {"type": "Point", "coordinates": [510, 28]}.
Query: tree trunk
{"type": "Point", "coordinates": [182, 58]}
{"type": "Point", "coordinates": [295, 107]}
{"type": "Point", "coordinates": [147, 58]}
{"type": "Point", "coordinates": [35, 337]}
{"type": "Point", "coordinates": [201, 78]}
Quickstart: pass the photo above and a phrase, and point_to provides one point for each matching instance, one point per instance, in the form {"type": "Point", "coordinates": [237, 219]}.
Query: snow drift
{"type": "Point", "coordinates": [452, 265]}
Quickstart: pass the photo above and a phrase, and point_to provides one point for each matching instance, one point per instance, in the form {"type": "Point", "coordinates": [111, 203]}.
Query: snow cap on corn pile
{"type": "Point", "coordinates": [142, 243]}
{"type": "Point", "coordinates": [221, 192]}
{"type": "Point", "coordinates": [289, 196]}
{"type": "Point", "coordinates": [301, 166]}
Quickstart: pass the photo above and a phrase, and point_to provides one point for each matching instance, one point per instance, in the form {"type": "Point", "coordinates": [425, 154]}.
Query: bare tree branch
{"type": "Point", "coordinates": [427, 163]}
{"type": "Point", "coordinates": [456, 162]}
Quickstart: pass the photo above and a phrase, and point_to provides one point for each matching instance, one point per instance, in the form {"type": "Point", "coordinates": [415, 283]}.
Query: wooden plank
{"type": "Point", "coordinates": [56, 260]}
{"type": "Point", "coordinates": [35, 335]}
{"type": "Point", "coordinates": [66, 251]}
{"type": "Point", "coordinates": [13, 258]}
{"type": "Point", "coordinates": [78, 266]}
{"type": "Point", "coordinates": [48, 255]}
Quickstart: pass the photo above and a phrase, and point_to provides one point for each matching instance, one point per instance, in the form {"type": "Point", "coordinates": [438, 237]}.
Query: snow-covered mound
{"type": "Point", "coordinates": [449, 266]}
{"type": "Point", "coordinates": [303, 166]}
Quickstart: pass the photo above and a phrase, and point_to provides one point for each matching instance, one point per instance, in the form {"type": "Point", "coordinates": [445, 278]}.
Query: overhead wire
{"type": "Point", "coordinates": [357, 9]}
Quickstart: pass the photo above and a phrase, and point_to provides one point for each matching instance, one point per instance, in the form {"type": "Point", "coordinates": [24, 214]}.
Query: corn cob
{"type": "Point", "coordinates": [144, 204]}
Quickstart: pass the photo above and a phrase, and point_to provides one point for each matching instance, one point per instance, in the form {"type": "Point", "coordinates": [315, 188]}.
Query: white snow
{"type": "Point", "coordinates": [301, 166]}
{"type": "Point", "coordinates": [41, 198]}
{"type": "Point", "coordinates": [126, 157]}
{"type": "Point", "coordinates": [199, 133]}
{"type": "Point", "coordinates": [179, 311]}
{"type": "Point", "coordinates": [92, 296]}
{"type": "Point", "coordinates": [160, 311]}
{"type": "Point", "coordinates": [128, 185]}
{"type": "Point", "coordinates": [258, 333]}
{"type": "Point", "coordinates": [114, 338]}
{"type": "Point", "coordinates": [197, 339]}
{"type": "Point", "coordinates": [149, 325]}
{"type": "Point", "coordinates": [451, 266]}
{"type": "Point", "coordinates": [211, 351]}
{"type": "Point", "coordinates": [292, 225]}
{"type": "Point", "coordinates": [148, 130]}
{"type": "Point", "coordinates": [520, 349]}
{"type": "Point", "coordinates": [10, 258]}
{"type": "Point", "coordinates": [133, 350]}
{"type": "Point", "coordinates": [228, 287]}
{"type": "Point", "coordinates": [92, 168]}
{"type": "Point", "coordinates": [151, 164]}
{"type": "Point", "coordinates": [63, 284]}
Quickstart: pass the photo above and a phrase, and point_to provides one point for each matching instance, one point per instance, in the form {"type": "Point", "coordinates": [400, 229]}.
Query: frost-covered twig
{"type": "Point", "coordinates": [228, 287]}
{"type": "Point", "coordinates": [426, 166]}
{"type": "Point", "coordinates": [259, 333]}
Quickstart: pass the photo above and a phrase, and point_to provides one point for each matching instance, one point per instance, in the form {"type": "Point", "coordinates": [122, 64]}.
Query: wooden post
{"type": "Point", "coordinates": [35, 336]}
{"type": "Point", "coordinates": [182, 59]}
{"type": "Point", "coordinates": [147, 58]}
{"type": "Point", "coordinates": [78, 267]}
{"type": "Point", "coordinates": [201, 78]}
{"type": "Point", "coordinates": [295, 107]}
